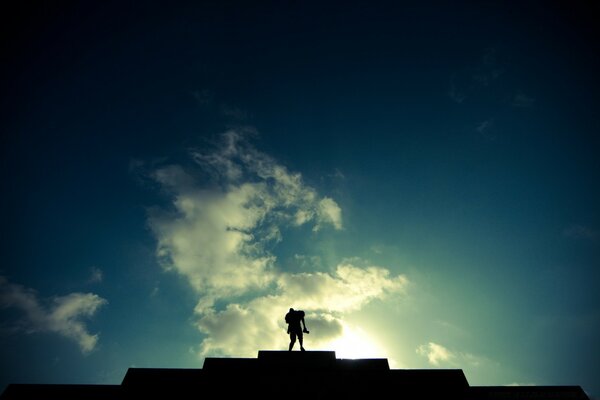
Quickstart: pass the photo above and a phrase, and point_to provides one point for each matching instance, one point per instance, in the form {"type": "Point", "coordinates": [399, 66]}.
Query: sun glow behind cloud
{"type": "Point", "coordinates": [355, 343]}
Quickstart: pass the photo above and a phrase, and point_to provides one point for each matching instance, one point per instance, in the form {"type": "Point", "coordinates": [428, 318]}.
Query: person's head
{"type": "Point", "coordinates": [291, 309]}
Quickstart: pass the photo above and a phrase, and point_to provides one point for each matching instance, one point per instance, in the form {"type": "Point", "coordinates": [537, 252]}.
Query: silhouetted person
{"type": "Point", "coordinates": [293, 319]}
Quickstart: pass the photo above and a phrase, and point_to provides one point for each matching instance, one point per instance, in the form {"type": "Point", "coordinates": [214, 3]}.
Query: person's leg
{"type": "Point", "coordinates": [301, 340]}
{"type": "Point", "coordinates": [292, 341]}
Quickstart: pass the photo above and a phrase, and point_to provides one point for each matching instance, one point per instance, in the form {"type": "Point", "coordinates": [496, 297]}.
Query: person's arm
{"type": "Point", "coordinates": [304, 324]}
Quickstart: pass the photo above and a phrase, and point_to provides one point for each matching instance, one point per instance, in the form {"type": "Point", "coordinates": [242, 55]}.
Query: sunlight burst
{"type": "Point", "coordinates": [356, 343]}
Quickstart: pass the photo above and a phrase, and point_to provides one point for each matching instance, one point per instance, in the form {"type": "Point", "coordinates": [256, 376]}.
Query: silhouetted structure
{"type": "Point", "coordinates": [290, 375]}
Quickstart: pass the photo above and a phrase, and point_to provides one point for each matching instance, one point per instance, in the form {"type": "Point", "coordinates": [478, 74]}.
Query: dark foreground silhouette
{"type": "Point", "coordinates": [293, 318]}
{"type": "Point", "coordinates": [319, 373]}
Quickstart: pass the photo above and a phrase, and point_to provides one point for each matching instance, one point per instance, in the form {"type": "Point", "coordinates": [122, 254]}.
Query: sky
{"type": "Point", "coordinates": [421, 178]}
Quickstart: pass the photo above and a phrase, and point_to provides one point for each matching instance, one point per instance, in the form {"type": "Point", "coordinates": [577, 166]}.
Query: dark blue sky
{"type": "Point", "coordinates": [451, 144]}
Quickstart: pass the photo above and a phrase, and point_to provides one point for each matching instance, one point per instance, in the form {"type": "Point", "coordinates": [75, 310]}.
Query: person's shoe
{"type": "Point", "coordinates": [302, 349]}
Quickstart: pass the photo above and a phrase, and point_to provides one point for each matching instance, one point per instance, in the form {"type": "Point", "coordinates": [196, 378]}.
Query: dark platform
{"type": "Point", "coordinates": [302, 375]}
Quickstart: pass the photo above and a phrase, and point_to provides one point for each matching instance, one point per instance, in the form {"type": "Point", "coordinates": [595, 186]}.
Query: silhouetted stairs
{"type": "Point", "coordinates": [309, 375]}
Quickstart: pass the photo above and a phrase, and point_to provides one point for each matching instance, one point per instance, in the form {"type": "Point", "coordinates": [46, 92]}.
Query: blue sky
{"type": "Point", "coordinates": [421, 178]}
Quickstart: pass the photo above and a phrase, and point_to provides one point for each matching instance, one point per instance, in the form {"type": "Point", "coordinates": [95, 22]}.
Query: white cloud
{"type": "Point", "coordinates": [218, 235]}
{"type": "Point", "coordinates": [438, 355]}
{"type": "Point", "coordinates": [435, 353]}
{"type": "Point", "coordinates": [347, 289]}
{"type": "Point", "coordinates": [208, 240]}
{"type": "Point", "coordinates": [329, 211]}
{"type": "Point", "coordinates": [63, 314]}
{"type": "Point", "coordinates": [241, 329]}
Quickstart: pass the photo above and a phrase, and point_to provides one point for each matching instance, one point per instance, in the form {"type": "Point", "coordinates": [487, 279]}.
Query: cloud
{"type": "Point", "coordinates": [348, 288]}
{"type": "Point", "coordinates": [581, 232]}
{"type": "Point", "coordinates": [215, 234]}
{"type": "Point", "coordinates": [469, 81]}
{"type": "Point", "coordinates": [486, 129]}
{"type": "Point", "coordinates": [202, 97]}
{"type": "Point", "coordinates": [435, 353]}
{"type": "Point", "coordinates": [224, 220]}
{"type": "Point", "coordinates": [234, 113]}
{"type": "Point", "coordinates": [455, 94]}
{"type": "Point", "coordinates": [521, 100]}
{"type": "Point", "coordinates": [96, 275]}
{"type": "Point", "coordinates": [438, 354]}
{"type": "Point", "coordinates": [329, 211]}
{"type": "Point", "coordinates": [62, 314]}
{"type": "Point", "coordinates": [484, 126]}
{"type": "Point", "coordinates": [243, 328]}
{"type": "Point", "coordinates": [488, 70]}
{"type": "Point", "coordinates": [306, 262]}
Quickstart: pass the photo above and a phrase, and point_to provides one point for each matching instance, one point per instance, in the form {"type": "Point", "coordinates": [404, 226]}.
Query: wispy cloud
{"type": "Point", "coordinates": [60, 314]}
{"type": "Point", "coordinates": [438, 355]}
{"type": "Point", "coordinates": [347, 288]}
{"type": "Point", "coordinates": [96, 275]}
{"type": "Point", "coordinates": [489, 69]}
{"type": "Point", "coordinates": [306, 262]}
{"type": "Point", "coordinates": [234, 113]}
{"type": "Point", "coordinates": [578, 231]}
{"type": "Point", "coordinates": [219, 233]}
{"type": "Point", "coordinates": [456, 95]}
{"type": "Point", "coordinates": [485, 126]}
{"type": "Point", "coordinates": [481, 75]}
{"type": "Point", "coordinates": [486, 129]}
{"type": "Point", "coordinates": [203, 97]}
{"type": "Point", "coordinates": [435, 353]}
{"type": "Point", "coordinates": [522, 100]}
{"type": "Point", "coordinates": [207, 100]}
